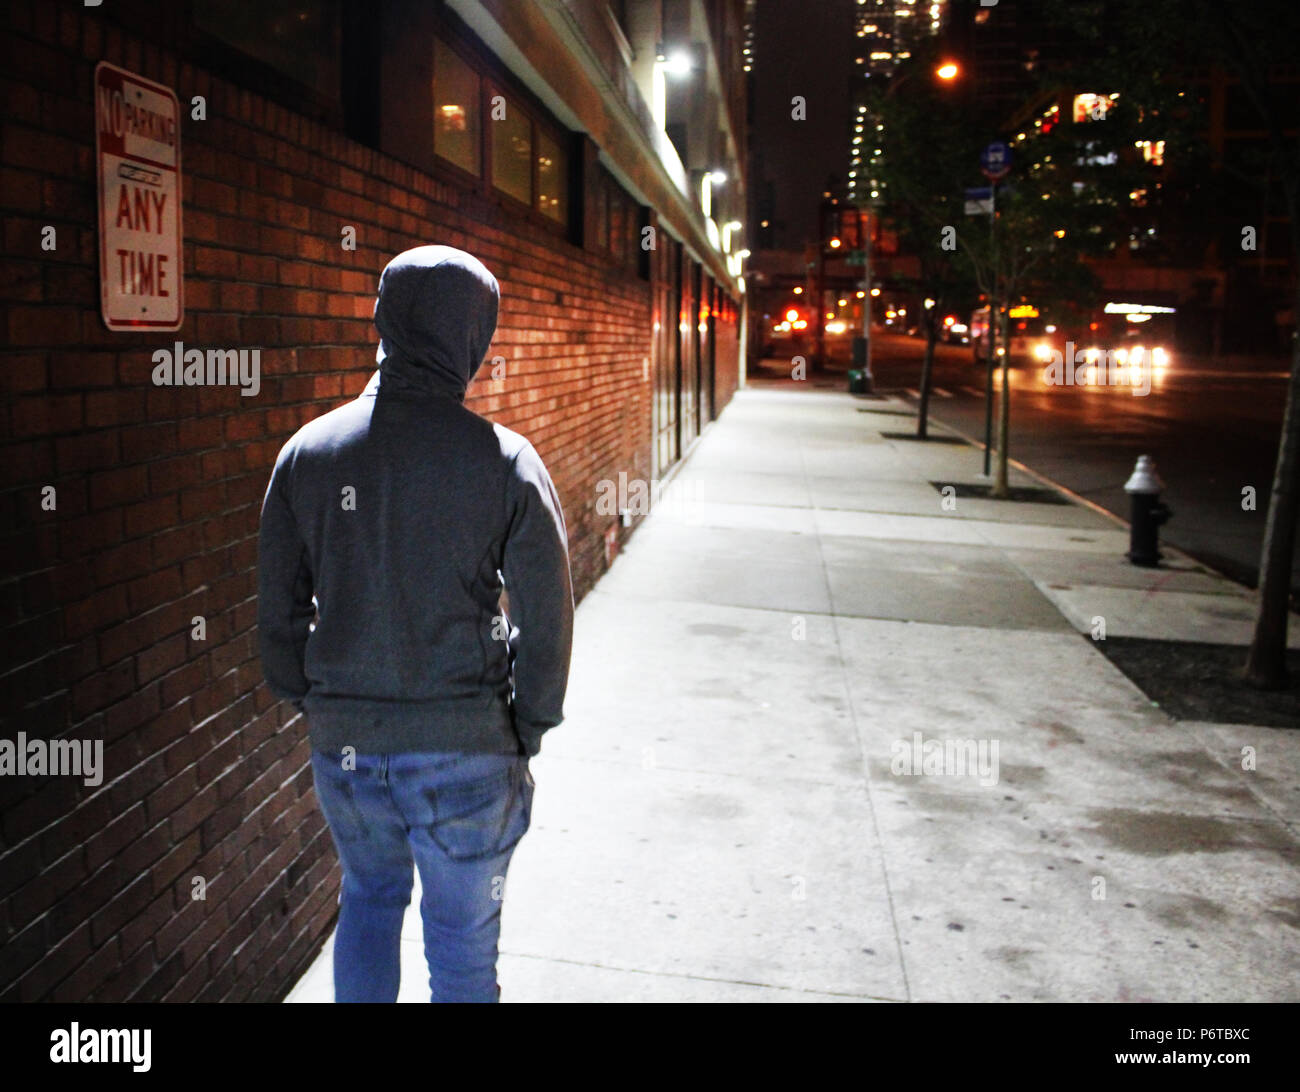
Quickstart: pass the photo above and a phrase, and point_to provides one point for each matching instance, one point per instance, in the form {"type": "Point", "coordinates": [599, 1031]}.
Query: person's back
{"type": "Point", "coordinates": [388, 528]}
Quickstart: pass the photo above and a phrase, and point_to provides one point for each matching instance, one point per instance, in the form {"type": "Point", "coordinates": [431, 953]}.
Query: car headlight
{"type": "Point", "coordinates": [1121, 355]}
{"type": "Point", "coordinates": [1043, 351]}
{"type": "Point", "coordinates": [1139, 351]}
{"type": "Point", "coordinates": [1159, 357]}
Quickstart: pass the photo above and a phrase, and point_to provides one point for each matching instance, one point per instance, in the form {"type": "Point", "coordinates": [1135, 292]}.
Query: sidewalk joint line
{"type": "Point", "coordinates": [862, 752]}
{"type": "Point", "coordinates": [700, 977]}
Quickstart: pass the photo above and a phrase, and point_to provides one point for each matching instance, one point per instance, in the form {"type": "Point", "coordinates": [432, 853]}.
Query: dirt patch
{"type": "Point", "coordinates": [1204, 682]}
{"type": "Point", "coordinates": [1026, 494]}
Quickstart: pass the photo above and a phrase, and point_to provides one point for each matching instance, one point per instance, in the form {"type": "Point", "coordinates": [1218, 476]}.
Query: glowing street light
{"type": "Point", "coordinates": [677, 63]}
{"type": "Point", "coordinates": [708, 180]}
{"type": "Point", "coordinates": [947, 71]}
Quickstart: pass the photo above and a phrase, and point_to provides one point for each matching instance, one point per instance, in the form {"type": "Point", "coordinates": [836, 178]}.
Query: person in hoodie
{"type": "Point", "coordinates": [389, 529]}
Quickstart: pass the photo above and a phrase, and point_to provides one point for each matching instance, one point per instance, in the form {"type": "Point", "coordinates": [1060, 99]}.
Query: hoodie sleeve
{"type": "Point", "coordinates": [536, 571]}
{"type": "Point", "coordinates": [284, 593]}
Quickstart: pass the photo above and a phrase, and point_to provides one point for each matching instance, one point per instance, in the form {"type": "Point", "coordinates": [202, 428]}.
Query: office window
{"type": "Point", "coordinates": [616, 225]}
{"type": "Point", "coordinates": [512, 152]}
{"type": "Point", "coordinates": [499, 137]}
{"type": "Point", "coordinates": [457, 129]}
{"type": "Point", "coordinates": [600, 217]}
{"type": "Point", "coordinates": [619, 215]}
{"type": "Point", "coordinates": [297, 39]}
{"type": "Point", "coordinates": [552, 178]}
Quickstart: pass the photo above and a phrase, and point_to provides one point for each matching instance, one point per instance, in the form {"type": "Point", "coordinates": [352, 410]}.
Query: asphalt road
{"type": "Point", "coordinates": [1212, 429]}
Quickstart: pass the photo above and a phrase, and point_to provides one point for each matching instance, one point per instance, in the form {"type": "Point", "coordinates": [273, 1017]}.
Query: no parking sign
{"type": "Point", "coordinates": [138, 158]}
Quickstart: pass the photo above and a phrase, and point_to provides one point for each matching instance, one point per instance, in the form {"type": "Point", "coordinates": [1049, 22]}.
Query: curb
{"type": "Point", "coordinates": [1093, 505]}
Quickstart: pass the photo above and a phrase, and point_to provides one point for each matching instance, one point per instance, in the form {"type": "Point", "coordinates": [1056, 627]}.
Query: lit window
{"type": "Point", "coordinates": [1153, 151]}
{"type": "Point", "coordinates": [456, 125]}
{"type": "Point", "coordinates": [552, 178]}
{"type": "Point", "coordinates": [512, 153]}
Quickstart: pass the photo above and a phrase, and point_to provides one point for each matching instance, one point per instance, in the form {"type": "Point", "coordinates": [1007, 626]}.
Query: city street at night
{"type": "Point", "coordinates": [649, 502]}
{"type": "Point", "coordinates": [1209, 425]}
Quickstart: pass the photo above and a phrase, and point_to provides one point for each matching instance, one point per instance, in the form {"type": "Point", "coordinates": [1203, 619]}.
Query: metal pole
{"type": "Point", "coordinates": [868, 230]}
{"type": "Point", "coordinates": [992, 329]}
{"type": "Point", "coordinates": [819, 290]}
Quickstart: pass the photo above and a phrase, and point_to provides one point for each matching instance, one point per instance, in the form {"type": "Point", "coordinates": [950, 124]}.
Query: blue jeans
{"type": "Point", "coordinates": [455, 817]}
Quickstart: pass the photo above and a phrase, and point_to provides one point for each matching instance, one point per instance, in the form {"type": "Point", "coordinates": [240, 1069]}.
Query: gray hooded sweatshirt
{"type": "Point", "coordinates": [388, 530]}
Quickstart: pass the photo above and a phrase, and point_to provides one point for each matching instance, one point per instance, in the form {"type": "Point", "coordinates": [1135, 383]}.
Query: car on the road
{"type": "Point", "coordinates": [1031, 339]}
{"type": "Point", "coordinates": [1127, 350]}
{"type": "Point", "coordinates": [954, 331]}
{"type": "Point", "coordinates": [1132, 337]}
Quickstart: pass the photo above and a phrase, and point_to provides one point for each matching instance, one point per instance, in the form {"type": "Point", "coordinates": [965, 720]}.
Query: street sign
{"type": "Point", "coordinates": [138, 157]}
{"type": "Point", "coordinates": [979, 201]}
{"type": "Point", "coordinates": [995, 160]}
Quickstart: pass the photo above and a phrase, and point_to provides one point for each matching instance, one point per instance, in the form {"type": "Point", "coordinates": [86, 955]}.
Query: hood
{"type": "Point", "coordinates": [436, 313]}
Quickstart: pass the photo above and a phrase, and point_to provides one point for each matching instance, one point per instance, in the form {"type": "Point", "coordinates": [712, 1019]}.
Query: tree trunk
{"type": "Point", "coordinates": [1001, 489]}
{"type": "Point", "coordinates": [1266, 661]}
{"type": "Point", "coordinates": [927, 369]}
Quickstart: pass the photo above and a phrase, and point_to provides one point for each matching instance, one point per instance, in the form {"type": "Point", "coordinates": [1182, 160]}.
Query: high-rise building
{"type": "Point", "coordinates": [887, 32]}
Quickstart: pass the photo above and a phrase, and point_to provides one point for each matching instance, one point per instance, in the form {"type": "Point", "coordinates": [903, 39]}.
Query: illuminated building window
{"type": "Point", "coordinates": [552, 178]}
{"type": "Point", "coordinates": [1091, 107]}
{"type": "Point", "coordinates": [456, 98]}
{"type": "Point", "coordinates": [1153, 151]}
{"type": "Point", "coordinates": [512, 153]}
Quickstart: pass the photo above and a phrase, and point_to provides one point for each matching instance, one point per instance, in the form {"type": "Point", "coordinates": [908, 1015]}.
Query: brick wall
{"type": "Point", "coordinates": [158, 493]}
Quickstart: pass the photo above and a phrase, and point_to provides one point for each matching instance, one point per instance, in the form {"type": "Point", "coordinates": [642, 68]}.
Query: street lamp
{"type": "Point", "coordinates": [947, 71]}
{"type": "Point", "coordinates": [707, 181]}
{"type": "Point", "coordinates": [676, 63]}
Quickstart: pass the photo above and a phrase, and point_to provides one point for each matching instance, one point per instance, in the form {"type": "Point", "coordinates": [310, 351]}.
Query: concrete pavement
{"type": "Point", "coordinates": [731, 812]}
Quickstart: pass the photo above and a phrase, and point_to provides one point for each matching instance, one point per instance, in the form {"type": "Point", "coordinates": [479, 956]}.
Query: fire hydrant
{"type": "Point", "coordinates": [1148, 513]}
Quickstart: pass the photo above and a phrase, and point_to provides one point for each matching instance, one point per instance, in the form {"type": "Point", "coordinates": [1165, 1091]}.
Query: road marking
{"type": "Point", "coordinates": [1200, 374]}
{"type": "Point", "coordinates": [910, 391]}
{"type": "Point", "coordinates": [974, 391]}
{"type": "Point", "coordinates": [942, 393]}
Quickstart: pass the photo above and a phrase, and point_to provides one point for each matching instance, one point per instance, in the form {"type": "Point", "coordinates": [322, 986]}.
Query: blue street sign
{"type": "Point", "coordinates": [995, 160]}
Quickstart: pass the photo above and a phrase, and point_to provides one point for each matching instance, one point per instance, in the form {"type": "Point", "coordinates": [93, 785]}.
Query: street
{"type": "Point", "coordinates": [1212, 431]}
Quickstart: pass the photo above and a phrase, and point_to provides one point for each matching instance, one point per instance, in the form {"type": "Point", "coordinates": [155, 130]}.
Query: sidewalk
{"type": "Point", "coordinates": [718, 820]}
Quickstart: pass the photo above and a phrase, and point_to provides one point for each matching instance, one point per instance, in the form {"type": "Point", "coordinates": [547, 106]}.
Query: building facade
{"type": "Point", "coordinates": [591, 154]}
